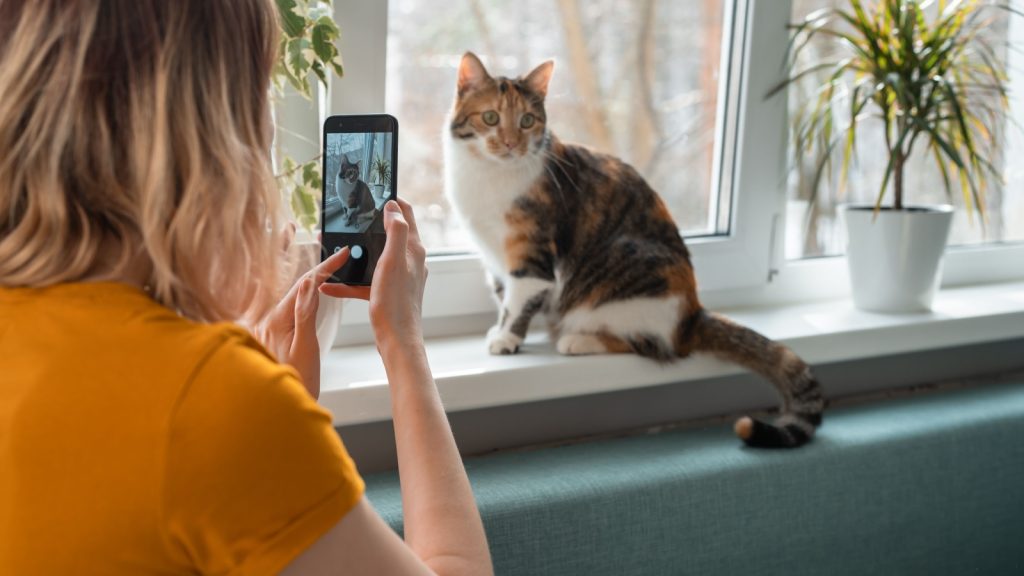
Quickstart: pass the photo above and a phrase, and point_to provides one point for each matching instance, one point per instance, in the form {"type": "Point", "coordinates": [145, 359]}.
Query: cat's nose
{"type": "Point", "coordinates": [510, 144]}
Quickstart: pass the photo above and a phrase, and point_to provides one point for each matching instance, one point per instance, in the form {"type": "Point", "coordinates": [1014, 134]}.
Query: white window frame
{"type": "Point", "coordinates": [745, 267]}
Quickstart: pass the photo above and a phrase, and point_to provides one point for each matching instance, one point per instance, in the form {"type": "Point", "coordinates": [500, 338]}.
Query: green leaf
{"type": "Point", "coordinates": [322, 43]}
{"type": "Point", "coordinates": [311, 174]}
{"type": "Point", "coordinates": [298, 64]}
{"type": "Point", "coordinates": [292, 21]}
{"type": "Point", "coordinates": [305, 208]}
{"type": "Point", "coordinates": [942, 168]}
{"type": "Point", "coordinates": [307, 45]}
{"type": "Point", "coordinates": [307, 49]}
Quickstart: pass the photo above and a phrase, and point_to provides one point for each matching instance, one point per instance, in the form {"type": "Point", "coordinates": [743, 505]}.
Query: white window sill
{"type": "Point", "coordinates": [354, 386]}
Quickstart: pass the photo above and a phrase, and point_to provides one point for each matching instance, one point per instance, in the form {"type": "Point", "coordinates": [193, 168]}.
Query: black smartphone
{"type": "Point", "coordinates": [359, 176]}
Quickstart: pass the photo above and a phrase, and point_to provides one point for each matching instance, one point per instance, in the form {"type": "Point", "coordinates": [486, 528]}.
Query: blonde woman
{"type": "Point", "coordinates": [142, 431]}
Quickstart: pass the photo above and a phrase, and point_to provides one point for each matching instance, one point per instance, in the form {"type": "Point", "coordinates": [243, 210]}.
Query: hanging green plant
{"type": "Point", "coordinates": [307, 55]}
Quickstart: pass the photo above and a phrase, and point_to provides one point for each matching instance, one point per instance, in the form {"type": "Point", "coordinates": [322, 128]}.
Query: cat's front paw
{"type": "Point", "coordinates": [500, 342]}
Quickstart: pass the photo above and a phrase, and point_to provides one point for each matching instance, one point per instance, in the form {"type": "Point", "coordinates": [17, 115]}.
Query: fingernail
{"type": "Point", "coordinates": [392, 206]}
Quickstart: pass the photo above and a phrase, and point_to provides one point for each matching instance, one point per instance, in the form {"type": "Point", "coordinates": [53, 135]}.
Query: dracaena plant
{"type": "Point", "coordinates": [927, 69]}
{"type": "Point", "coordinates": [381, 170]}
{"type": "Point", "coordinates": [307, 55]}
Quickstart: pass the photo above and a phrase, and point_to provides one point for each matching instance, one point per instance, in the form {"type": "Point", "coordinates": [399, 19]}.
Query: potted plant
{"type": "Point", "coordinates": [380, 169]}
{"type": "Point", "coordinates": [306, 55]}
{"type": "Point", "coordinates": [927, 72]}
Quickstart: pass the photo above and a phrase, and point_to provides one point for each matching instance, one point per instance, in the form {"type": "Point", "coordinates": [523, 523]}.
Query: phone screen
{"type": "Point", "coordinates": [359, 177]}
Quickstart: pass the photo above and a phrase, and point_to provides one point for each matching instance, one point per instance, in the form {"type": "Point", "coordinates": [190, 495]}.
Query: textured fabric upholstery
{"type": "Point", "coordinates": [931, 484]}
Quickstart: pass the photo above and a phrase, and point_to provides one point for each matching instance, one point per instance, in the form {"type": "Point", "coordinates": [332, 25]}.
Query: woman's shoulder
{"type": "Point", "coordinates": [116, 338]}
{"type": "Point", "coordinates": [230, 366]}
{"type": "Point", "coordinates": [221, 363]}
{"type": "Point", "coordinates": [223, 343]}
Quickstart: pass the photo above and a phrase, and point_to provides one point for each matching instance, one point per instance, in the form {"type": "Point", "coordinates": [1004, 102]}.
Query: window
{"type": "Point", "coordinates": [639, 79]}
{"type": "Point", "coordinates": [400, 56]}
{"type": "Point", "coordinates": [718, 179]}
{"type": "Point", "coordinates": [814, 228]}
{"type": "Point", "coordinates": [700, 128]}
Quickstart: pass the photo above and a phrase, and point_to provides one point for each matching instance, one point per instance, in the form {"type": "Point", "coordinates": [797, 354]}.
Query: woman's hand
{"type": "Point", "coordinates": [396, 294]}
{"type": "Point", "coordinates": [289, 330]}
{"type": "Point", "coordinates": [442, 524]}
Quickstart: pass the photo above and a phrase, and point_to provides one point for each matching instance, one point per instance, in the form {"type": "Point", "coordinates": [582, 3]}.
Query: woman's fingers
{"type": "Point", "coordinates": [345, 291]}
{"type": "Point", "coordinates": [306, 303]}
{"type": "Point", "coordinates": [328, 267]}
{"type": "Point", "coordinates": [397, 229]}
{"type": "Point", "coordinates": [410, 217]}
{"type": "Point", "coordinates": [319, 274]}
{"type": "Point", "coordinates": [305, 350]}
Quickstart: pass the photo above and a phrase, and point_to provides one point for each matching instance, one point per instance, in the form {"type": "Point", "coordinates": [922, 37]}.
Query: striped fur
{"type": "Point", "coordinates": [582, 237]}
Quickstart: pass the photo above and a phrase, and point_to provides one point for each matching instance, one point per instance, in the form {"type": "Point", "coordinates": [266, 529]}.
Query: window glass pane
{"type": "Point", "coordinates": [637, 78]}
{"type": "Point", "coordinates": [814, 228]}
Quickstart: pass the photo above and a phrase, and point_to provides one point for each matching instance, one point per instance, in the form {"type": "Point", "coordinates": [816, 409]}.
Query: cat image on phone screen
{"type": "Point", "coordinates": [357, 203]}
{"type": "Point", "coordinates": [351, 202]}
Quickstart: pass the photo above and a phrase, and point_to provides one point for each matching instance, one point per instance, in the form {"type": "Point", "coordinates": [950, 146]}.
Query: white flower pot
{"type": "Point", "coordinates": [895, 256]}
{"type": "Point", "coordinates": [377, 191]}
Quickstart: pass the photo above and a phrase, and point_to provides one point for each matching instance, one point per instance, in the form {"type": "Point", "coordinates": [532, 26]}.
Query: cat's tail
{"type": "Point", "coordinates": [802, 398]}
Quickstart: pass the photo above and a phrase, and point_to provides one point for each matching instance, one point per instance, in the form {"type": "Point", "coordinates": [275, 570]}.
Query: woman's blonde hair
{"type": "Point", "coordinates": [141, 128]}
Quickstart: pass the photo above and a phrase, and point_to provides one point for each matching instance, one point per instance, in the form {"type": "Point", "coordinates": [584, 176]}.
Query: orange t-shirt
{"type": "Point", "coordinates": [133, 441]}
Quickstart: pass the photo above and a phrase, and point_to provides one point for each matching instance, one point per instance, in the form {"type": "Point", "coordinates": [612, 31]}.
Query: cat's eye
{"type": "Point", "coordinates": [490, 118]}
{"type": "Point", "coordinates": [527, 121]}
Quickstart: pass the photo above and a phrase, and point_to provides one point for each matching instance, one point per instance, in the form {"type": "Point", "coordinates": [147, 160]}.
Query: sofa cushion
{"type": "Point", "coordinates": [932, 483]}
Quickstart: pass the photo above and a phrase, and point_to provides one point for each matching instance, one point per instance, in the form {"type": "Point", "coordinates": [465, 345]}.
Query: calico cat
{"type": "Point", "coordinates": [357, 200]}
{"type": "Point", "coordinates": [581, 236]}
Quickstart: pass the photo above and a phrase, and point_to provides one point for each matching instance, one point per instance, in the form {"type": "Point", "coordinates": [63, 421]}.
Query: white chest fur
{"type": "Point", "coordinates": [482, 190]}
{"type": "Point", "coordinates": [342, 188]}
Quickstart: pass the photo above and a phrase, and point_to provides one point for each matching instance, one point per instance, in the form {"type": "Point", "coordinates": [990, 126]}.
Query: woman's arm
{"type": "Point", "coordinates": [443, 531]}
{"type": "Point", "coordinates": [442, 524]}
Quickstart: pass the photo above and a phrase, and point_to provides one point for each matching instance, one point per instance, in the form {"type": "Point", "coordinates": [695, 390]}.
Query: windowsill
{"type": "Point", "coordinates": [354, 386]}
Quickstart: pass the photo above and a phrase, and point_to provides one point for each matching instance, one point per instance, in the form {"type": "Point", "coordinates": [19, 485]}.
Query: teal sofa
{"type": "Point", "coordinates": [928, 484]}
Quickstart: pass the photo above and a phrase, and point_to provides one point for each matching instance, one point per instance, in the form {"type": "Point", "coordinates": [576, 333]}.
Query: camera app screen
{"type": "Point", "coordinates": [357, 180]}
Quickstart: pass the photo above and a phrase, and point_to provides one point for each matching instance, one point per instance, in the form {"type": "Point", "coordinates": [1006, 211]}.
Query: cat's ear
{"type": "Point", "coordinates": [471, 72]}
{"type": "Point", "coordinates": [539, 78]}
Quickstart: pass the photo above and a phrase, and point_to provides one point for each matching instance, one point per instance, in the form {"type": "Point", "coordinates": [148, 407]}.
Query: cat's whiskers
{"type": "Point", "coordinates": [560, 163]}
{"type": "Point", "coordinates": [558, 185]}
